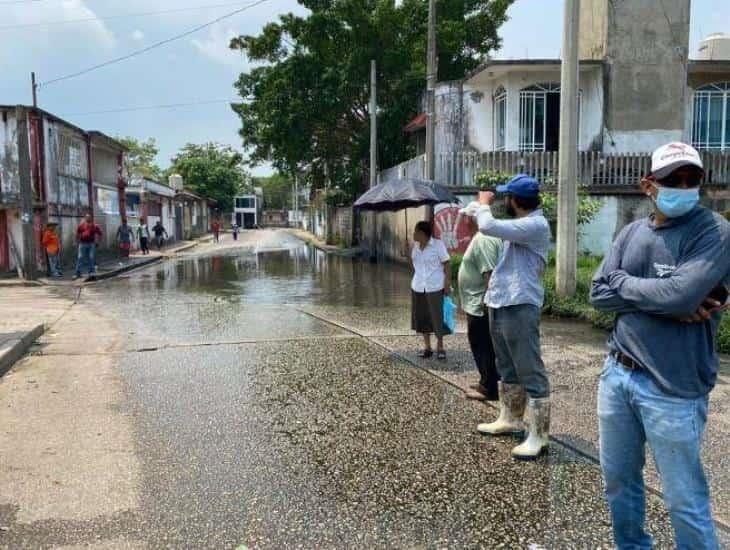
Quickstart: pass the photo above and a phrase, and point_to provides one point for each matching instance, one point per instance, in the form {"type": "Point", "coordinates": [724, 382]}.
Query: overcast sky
{"type": "Point", "coordinates": [199, 67]}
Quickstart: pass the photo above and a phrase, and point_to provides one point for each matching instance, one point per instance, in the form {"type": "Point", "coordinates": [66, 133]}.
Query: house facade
{"type": "Point", "coordinates": [153, 201]}
{"type": "Point", "coordinates": [637, 90]}
{"type": "Point", "coordinates": [247, 209]}
{"type": "Point", "coordinates": [52, 170]}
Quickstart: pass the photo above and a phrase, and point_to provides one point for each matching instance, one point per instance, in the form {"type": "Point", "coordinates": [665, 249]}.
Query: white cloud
{"type": "Point", "coordinates": [215, 47]}
{"type": "Point", "coordinates": [40, 12]}
{"type": "Point", "coordinates": [138, 35]}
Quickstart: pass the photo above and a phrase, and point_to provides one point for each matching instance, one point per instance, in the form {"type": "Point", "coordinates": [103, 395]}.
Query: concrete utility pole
{"type": "Point", "coordinates": [373, 125]}
{"type": "Point", "coordinates": [431, 75]}
{"type": "Point", "coordinates": [35, 89]}
{"type": "Point", "coordinates": [568, 160]}
{"type": "Point", "coordinates": [27, 245]}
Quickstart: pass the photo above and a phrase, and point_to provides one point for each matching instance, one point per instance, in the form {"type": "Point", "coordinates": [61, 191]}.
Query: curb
{"type": "Point", "coordinates": [110, 274]}
{"type": "Point", "coordinates": [329, 249]}
{"type": "Point", "coordinates": [17, 350]}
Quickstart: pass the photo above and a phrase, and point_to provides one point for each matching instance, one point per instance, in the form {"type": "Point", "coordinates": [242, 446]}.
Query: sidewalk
{"type": "Point", "coordinates": [573, 352]}
{"type": "Point", "coordinates": [110, 267]}
{"type": "Point", "coordinates": [28, 310]}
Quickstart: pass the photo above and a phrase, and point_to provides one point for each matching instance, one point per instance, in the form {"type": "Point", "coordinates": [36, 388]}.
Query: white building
{"type": "Point", "coordinates": [155, 202]}
{"type": "Point", "coordinates": [247, 209]}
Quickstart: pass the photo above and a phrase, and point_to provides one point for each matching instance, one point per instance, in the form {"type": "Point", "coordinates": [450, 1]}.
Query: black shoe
{"type": "Point", "coordinates": [425, 354]}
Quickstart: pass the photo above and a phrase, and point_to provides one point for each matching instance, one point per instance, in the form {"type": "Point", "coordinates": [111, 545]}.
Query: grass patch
{"type": "Point", "coordinates": [577, 307]}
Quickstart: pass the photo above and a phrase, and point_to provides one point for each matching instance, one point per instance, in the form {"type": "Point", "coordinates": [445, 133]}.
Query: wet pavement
{"type": "Point", "coordinates": [269, 408]}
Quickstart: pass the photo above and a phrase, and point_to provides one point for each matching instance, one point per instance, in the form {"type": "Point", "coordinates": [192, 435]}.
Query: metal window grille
{"type": "Point", "coordinates": [711, 117]}
{"type": "Point", "coordinates": [533, 106]}
{"type": "Point", "coordinates": [72, 160]}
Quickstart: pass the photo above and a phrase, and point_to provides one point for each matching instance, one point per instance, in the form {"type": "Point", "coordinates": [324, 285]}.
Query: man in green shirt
{"type": "Point", "coordinates": [480, 259]}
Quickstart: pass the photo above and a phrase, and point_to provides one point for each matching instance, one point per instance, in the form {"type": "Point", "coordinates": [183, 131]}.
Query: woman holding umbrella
{"type": "Point", "coordinates": [431, 282]}
{"type": "Point", "coordinates": [431, 262]}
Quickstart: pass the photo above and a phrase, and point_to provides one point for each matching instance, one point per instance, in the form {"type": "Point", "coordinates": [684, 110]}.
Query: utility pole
{"type": "Point", "coordinates": [373, 155]}
{"type": "Point", "coordinates": [35, 89]}
{"type": "Point", "coordinates": [431, 70]}
{"type": "Point", "coordinates": [27, 245]}
{"type": "Point", "coordinates": [567, 246]}
{"type": "Point", "coordinates": [373, 125]}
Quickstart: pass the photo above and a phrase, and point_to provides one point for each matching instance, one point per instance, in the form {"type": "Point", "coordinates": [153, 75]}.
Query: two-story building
{"type": "Point", "coordinates": [52, 170]}
{"type": "Point", "coordinates": [637, 90]}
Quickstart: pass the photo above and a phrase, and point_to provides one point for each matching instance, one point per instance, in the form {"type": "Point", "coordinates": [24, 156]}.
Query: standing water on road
{"type": "Point", "coordinates": [267, 410]}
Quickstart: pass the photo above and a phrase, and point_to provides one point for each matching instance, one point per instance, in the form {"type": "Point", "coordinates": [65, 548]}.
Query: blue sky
{"type": "Point", "coordinates": [196, 68]}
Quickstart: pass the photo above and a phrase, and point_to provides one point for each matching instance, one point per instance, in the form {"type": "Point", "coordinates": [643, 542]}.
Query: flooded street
{"type": "Point", "coordinates": [269, 404]}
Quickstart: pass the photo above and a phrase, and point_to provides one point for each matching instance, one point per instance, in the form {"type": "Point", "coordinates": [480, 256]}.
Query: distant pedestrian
{"type": "Point", "coordinates": [87, 239]}
{"type": "Point", "coordinates": [515, 298]}
{"type": "Point", "coordinates": [216, 227]}
{"type": "Point", "coordinates": [666, 278]}
{"type": "Point", "coordinates": [52, 246]}
{"type": "Point", "coordinates": [143, 234]}
{"type": "Point", "coordinates": [160, 234]}
{"type": "Point", "coordinates": [480, 259]}
{"type": "Point", "coordinates": [125, 236]}
{"type": "Point", "coordinates": [234, 231]}
{"type": "Point", "coordinates": [431, 282]}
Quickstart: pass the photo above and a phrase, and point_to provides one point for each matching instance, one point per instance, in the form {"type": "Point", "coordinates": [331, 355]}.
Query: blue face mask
{"type": "Point", "coordinates": [674, 203]}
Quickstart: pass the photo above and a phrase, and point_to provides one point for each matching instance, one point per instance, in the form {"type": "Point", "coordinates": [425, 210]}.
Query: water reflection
{"type": "Point", "coordinates": [294, 274]}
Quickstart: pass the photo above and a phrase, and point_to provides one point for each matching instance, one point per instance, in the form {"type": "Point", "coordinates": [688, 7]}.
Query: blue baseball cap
{"type": "Point", "coordinates": [521, 185]}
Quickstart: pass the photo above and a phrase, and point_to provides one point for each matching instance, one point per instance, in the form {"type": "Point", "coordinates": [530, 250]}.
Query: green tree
{"type": "Point", "coordinates": [277, 191]}
{"type": "Point", "coordinates": [139, 160]}
{"type": "Point", "coordinates": [211, 170]}
{"type": "Point", "coordinates": [306, 102]}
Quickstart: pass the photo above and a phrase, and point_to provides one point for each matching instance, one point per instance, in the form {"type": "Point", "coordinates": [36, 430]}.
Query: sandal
{"type": "Point", "coordinates": [425, 354]}
{"type": "Point", "coordinates": [441, 355]}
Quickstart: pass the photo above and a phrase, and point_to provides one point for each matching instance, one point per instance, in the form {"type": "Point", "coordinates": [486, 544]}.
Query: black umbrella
{"type": "Point", "coordinates": [401, 194]}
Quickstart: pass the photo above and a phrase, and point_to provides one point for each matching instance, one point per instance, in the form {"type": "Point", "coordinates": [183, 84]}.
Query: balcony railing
{"type": "Point", "coordinates": [594, 168]}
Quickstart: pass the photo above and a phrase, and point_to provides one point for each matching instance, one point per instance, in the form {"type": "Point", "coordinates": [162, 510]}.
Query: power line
{"type": "Point", "coordinates": [111, 17]}
{"type": "Point", "coordinates": [20, 2]}
{"type": "Point", "coordinates": [155, 45]}
{"type": "Point", "coordinates": [154, 107]}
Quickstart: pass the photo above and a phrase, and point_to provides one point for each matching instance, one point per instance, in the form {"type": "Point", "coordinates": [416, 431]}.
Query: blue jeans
{"type": "Point", "coordinates": [54, 265]}
{"type": "Point", "coordinates": [87, 254]}
{"type": "Point", "coordinates": [633, 411]}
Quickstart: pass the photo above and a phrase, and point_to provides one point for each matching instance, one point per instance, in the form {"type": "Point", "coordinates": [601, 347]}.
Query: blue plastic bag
{"type": "Point", "coordinates": [449, 314]}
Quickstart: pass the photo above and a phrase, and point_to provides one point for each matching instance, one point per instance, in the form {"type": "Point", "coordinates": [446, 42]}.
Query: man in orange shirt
{"type": "Point", "coordinates": [52, 245]}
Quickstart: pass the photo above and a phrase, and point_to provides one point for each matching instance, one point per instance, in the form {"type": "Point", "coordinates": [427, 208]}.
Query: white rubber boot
{"type": "Point", "coordinates": [537, 419]}
{"type": "Point", "coordinates": [511, 408]}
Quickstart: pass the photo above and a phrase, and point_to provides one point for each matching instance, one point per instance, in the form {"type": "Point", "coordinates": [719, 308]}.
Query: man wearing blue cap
{"type": "Point", "coordinates": [515, 297]}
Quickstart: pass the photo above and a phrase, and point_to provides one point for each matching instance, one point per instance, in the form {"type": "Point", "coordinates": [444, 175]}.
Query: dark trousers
{"type": "Point", "coordinates": [482, 349]}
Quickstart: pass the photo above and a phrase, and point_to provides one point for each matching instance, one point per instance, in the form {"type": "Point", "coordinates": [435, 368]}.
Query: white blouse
{"type": "Point", "coordinates": [429, 266]}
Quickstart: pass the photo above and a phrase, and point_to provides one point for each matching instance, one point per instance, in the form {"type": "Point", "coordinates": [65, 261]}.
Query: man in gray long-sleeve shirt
{"type": "Point", "coordinates": [666, 279]}
{"type": "Point", "coordinates": [515, 297]}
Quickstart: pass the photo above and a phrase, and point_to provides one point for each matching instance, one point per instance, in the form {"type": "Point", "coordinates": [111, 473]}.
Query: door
{"type": "Point", "coordinates": [552, 122]}
{"type": "Point", "coordinates": [239, 219]}
{"type": "Point", "coordinates": [179, 223]}
{"type": "Point", "coordinates": [249, 220]}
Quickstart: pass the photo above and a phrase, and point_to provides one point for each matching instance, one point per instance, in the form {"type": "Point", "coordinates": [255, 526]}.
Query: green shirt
{"type": "Point", "coordinates": [481, 257]}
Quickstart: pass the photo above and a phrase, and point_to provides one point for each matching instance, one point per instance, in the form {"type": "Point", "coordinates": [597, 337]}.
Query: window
{"type": "Point", "coordinates": [500, 119]}
{"type": "Point", "coordinates": [711, 117]}
{"type": "Point", "coordinates": [245, 202]}
{"type": "Point", "coordinates": [540, 117]}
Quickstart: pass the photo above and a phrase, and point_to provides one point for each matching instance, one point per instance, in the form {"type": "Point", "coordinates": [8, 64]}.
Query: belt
{"type": "Point", "coordinates": [626, 361]}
